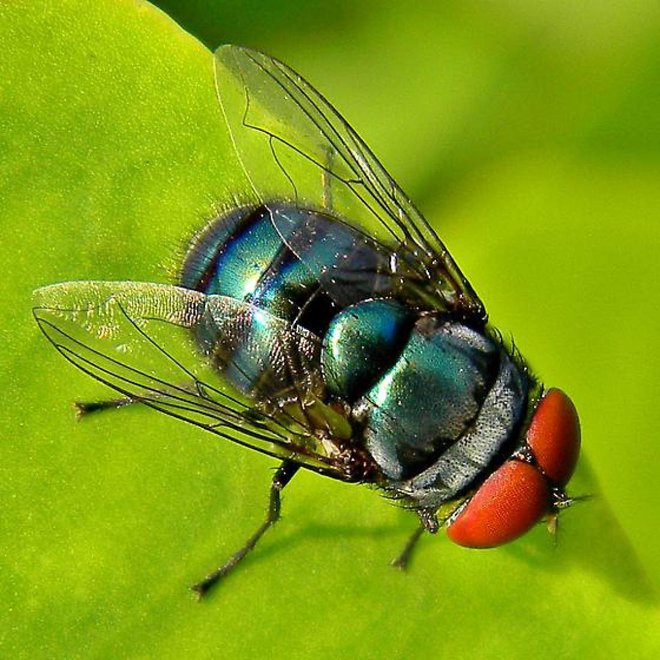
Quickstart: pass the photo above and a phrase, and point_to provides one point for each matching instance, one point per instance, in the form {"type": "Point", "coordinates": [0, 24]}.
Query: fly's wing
{"type": "Point", "coordinates": [294, 145]}
{"type": "Point", "coordinates": [136, 338]}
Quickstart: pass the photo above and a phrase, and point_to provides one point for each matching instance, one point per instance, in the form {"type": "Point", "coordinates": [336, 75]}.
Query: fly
{"type": "Point", "coordinates": [321, 321]}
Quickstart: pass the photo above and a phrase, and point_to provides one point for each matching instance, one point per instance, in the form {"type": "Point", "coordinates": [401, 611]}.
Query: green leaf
{"type": "Point", "coordinates": [113, 152]}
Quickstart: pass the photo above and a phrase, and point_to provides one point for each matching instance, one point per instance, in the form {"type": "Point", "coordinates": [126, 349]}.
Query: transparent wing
{"type": "Point", "coordinates": [346, 263]}
{"type": "Point", "coordinates": [136, 338]}
{"type": "Point", "coordinates": [294, 145]}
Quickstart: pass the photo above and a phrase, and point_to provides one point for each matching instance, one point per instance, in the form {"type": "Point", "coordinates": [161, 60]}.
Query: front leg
{"type": "Point", "coordinates": [428, 523]}
{"type": "Point", "coordinates": [281, 478]}
{"type": "Point", "coordinates": [83, 408]}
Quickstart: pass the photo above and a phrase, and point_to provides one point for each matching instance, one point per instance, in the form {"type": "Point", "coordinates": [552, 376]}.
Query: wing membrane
{"type": "Point", "coordinates": [289, 138]}
{"type": "Point", "coordinates": [135, 337]}
{"type": "Point", "coordinates": [349, 265]}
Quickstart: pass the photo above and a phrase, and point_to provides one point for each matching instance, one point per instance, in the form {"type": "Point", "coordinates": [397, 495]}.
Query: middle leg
{"type": "Point", "coordinates": [281, 478]}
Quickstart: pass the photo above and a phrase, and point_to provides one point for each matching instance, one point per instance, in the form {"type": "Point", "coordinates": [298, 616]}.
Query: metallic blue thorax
{"type": "Point", "coordinates": [416, 381]}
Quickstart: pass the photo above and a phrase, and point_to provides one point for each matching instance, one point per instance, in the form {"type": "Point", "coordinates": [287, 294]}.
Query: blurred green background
{"type": "Point", "coordinates": [527, 132]}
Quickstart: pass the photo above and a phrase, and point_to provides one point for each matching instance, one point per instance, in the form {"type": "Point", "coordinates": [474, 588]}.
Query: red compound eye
{"type": "Point", "coordinates": [554, 436]}
{"type": "Point", "coordinates": [508, 504]}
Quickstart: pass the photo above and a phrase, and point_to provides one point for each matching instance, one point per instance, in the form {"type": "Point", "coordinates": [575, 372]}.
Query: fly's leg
{"type": "Point", "coordinates": [402, 561]}
{"type": "Point", "coordinates": [83, 408]}
{"type": "Point", "coordinates": [281, 478]}
{"type": "Point", "coordinates": [428, 523]}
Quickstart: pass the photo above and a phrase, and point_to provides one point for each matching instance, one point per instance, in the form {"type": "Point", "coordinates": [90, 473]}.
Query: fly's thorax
{"type": "Point", "coordinates": [442, 405]}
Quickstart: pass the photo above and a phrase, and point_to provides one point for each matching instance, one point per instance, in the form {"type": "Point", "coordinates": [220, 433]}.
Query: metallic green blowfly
{"type": "Point", "coordinates": [320, 320]}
